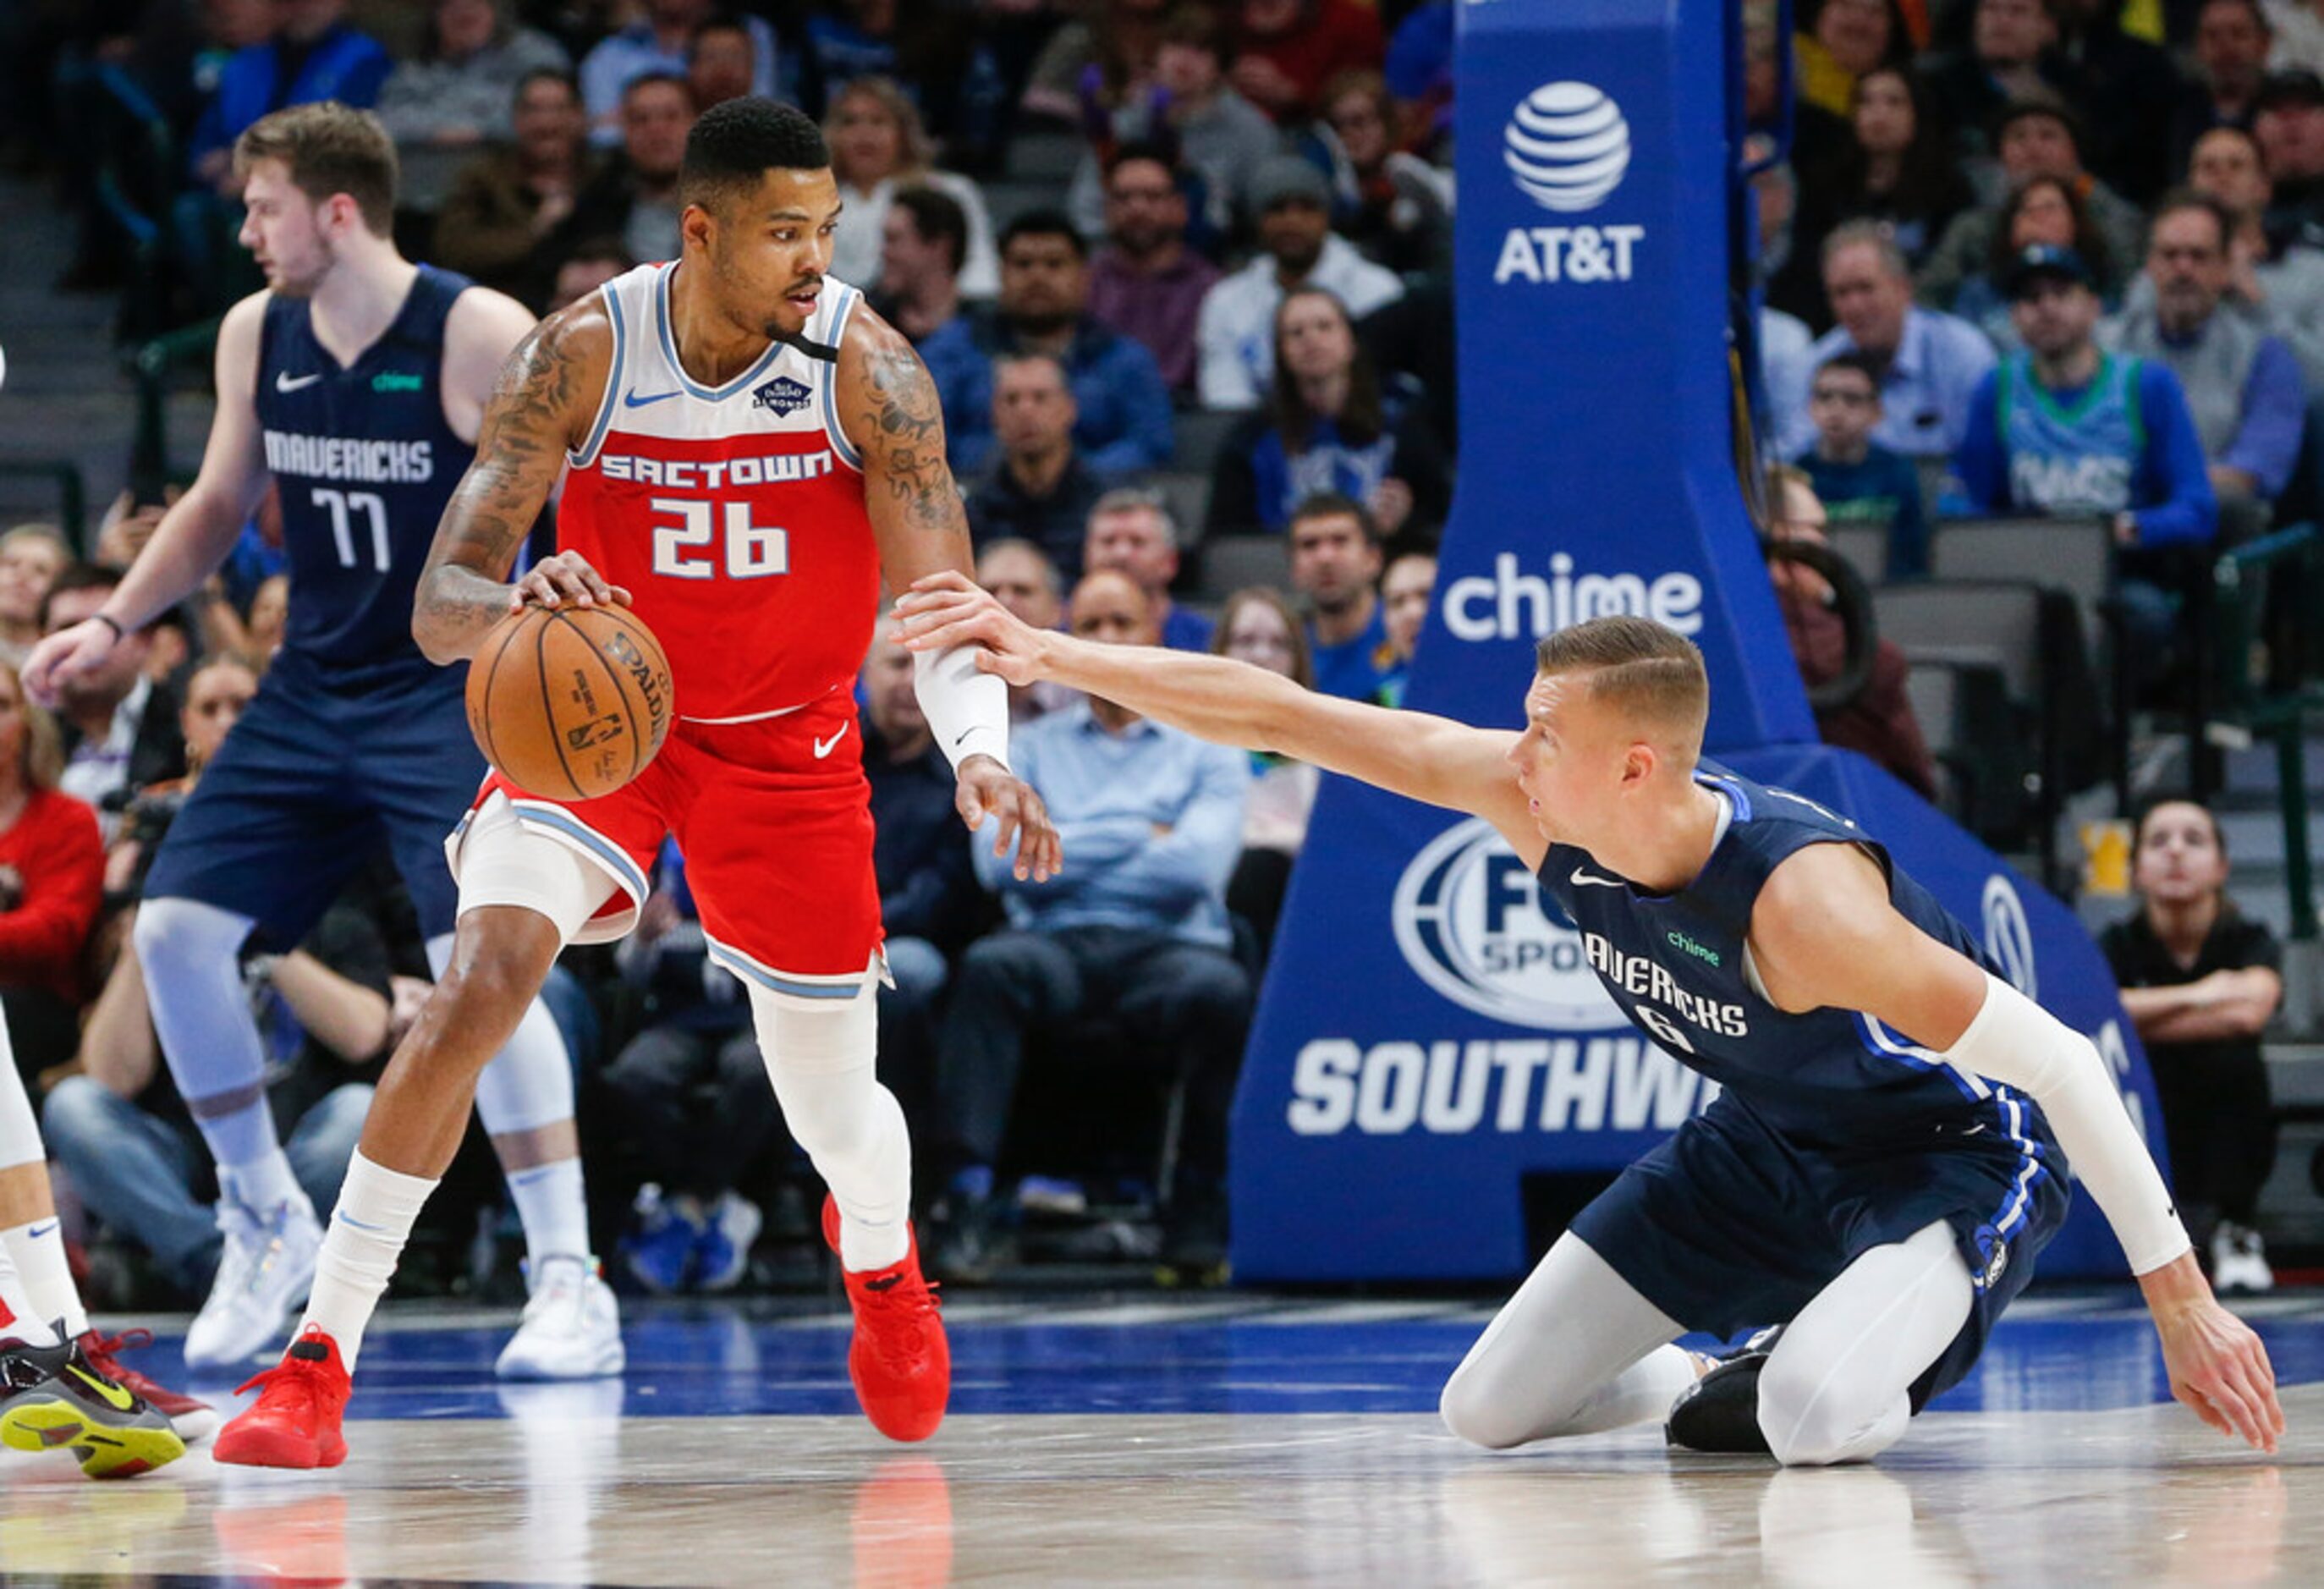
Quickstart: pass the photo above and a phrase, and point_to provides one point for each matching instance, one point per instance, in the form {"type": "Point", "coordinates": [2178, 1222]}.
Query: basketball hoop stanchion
{"type": "Point", "coordinates": [1428, 1039]}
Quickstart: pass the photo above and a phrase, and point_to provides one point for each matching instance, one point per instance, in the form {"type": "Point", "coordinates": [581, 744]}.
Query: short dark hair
{"type": "Point", "coordinates": [1863, 363]}
{"type": "Point", "coordinates": [599, 246]}
{"type": "Point", "coordinates": [554, 74]}
{"type": "Point", "coordinates": [1333, 505]}
{"type": "Point", "coordinates": [1162, 152]}
{"type": "Point", "coordinates": [734, 144]}
{"type": "Point", "coordinates": [646, 79]}
{"type": "Point", "coordinates": [328, 148]}
{"type": "Point", "coordinates": [1046, 223]}
{"type": "Point", "coordinates": [2181, 199]}
{"type": "Point", "coordinates": [2044, 104]}
{"type": "Point", "coordinates": [718, 22]}
{"type": "Point", "coordinates": [2258, 13]}
{"type": "Point", "coordinates": [2143, 813]}
{"type": "Point", "coordinates": [1196, 27]}
{"type": "Point", "coordinates": [77, 576]}
{"type": "Point", "coordinates": [937, 217]}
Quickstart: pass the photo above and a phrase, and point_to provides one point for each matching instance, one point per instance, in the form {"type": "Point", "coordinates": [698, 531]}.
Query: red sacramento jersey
{"type": "Point", "coordinates": [734, 514]}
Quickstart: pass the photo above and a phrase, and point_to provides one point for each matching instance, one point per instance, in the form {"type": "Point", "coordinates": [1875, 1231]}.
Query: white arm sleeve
{"type": "Point", "coordinates": [2016, 1041]}
{"type": "Point", "coordinates": [967, 710]}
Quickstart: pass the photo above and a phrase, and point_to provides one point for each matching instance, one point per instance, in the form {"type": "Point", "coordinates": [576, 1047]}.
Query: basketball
{"type": "Point", "coordinates": [570, 702]}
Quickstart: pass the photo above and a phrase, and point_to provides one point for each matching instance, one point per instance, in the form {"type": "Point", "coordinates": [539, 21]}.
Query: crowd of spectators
{"type": "Point", "coordinates": [1181, 271]}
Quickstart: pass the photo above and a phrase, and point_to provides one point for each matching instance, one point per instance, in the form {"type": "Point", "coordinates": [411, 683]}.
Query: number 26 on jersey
{"type": "Point", "coordinates": [689, 542]}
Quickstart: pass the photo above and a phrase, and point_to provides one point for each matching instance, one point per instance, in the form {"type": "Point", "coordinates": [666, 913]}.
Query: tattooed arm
{"type": "Point", "coordinates": [546, 398]}
{"type": "Point", "coordinates": [888, 408]}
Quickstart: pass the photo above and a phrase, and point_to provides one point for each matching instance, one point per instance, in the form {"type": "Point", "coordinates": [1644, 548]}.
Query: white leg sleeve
{"type": "Point", "coordinates": [1577, 1349]}
{"type": "Point", "coordinates": [820, 1055]}
{"type": "Point", "coordinates": [1837, 1387]}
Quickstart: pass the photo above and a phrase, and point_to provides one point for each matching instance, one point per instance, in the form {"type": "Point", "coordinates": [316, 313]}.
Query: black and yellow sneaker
{"type": "Point", "coordinates": [51, 1396]}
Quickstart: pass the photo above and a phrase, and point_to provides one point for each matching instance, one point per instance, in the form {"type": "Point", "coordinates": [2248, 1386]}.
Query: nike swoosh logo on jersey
{"type": "Point", "coordinates": [822, 747]}
{"type": "Point", "coordinates": [283, 381]}
{"type": "Point", "coordinates": [632, 400]}
{"type": "Point", "coordinates": [114, 1396]}
{"type": "Point", "coordinates": [1590, 880]}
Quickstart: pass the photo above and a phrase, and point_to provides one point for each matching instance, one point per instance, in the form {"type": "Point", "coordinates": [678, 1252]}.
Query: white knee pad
{"type": "Point", "coordinates": [500, 859]}
{"type": "Point", "coordinates": [529, 1084]}
{"type": "Point", "coordinates": [174, 935]}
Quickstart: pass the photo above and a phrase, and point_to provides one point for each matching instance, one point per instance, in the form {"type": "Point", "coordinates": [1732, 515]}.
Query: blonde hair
{"type": "Point", "coordinates": [915, 151]}
{"type": "Point", "coordinates": [1303, 663]}
{"type": "Point", "coordinates": [43, 760]}
{"type": "Point", "coordinates": [1636, 666]}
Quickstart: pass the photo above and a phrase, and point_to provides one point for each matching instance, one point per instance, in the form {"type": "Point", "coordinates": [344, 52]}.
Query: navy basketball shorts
{"type": "Point", "coordinates": [1727, 1226]}
{"type": "Point", "coordinates": [323, 769]}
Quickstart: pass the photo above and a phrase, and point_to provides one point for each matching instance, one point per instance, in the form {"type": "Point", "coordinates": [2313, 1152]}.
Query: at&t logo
{"type": "Point", "coordinates": [1567, 147]}
{"type": "Point", "coordinates": [1468, 918]}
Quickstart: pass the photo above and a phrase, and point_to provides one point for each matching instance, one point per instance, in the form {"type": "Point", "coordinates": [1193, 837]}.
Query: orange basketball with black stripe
{"type": "Point", "coordinates": [570, 702]}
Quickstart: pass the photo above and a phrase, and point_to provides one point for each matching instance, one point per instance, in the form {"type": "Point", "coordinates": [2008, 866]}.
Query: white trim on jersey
{"type": "Point", "coordinates": [604, 419]}
{"type": "Point", "coordinates": [692, 387]}
{"type": "Point", "coordinates": [842, 449]}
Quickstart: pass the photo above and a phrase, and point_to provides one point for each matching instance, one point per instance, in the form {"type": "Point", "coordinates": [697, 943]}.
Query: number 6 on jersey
{"type": "Point", "coordinates": [753, 551]}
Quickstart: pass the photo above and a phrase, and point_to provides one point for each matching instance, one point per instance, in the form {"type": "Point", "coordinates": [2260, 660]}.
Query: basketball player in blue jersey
{"type": "Point", "coordinates": [357, 380]}
{"type": "Point", "coordinates": [1882, 1194]}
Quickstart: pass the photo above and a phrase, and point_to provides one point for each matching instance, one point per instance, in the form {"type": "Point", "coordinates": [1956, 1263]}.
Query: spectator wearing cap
{"type": "Point", "coordinates": [2232, 40]}
{"type": "Point", "coordinates": [1297, 248]}
{"type": "Point", "coordinates": [2288, 122]}
{"type": "Point", "coordinates": [1145, 283]}
{"type": "Point", "coordinates": [1929, 363]}
{"type": "Point", "coordinates": [1123, 409]}
{"type": "Point", "coordinates": [659, 40]}
{"type": "Point", "coordinates": [2035, 137]}
{"type": "Point", "coordinates": [2068, 427]}
{"type": "Point", "coordinates": [2242, 385]}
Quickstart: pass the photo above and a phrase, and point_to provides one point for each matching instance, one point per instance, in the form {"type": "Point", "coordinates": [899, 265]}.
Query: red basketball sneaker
{"type": "Point", "coordinates": [295, 1421]}
{"type": "Point", "coordinates": [899, 1360]}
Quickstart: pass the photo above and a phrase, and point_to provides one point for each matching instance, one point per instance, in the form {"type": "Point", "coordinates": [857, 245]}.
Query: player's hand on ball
{"type": "Point", "coordinates": [567, 577]}
{"type": "Point", "coordinates": [948, 609]}
{"type": "Point", "coordinates": [986, 788]}
{"type": "Point", "coordinates": [2220, 1370]}
{"type": "Point", "coordinates": [66, 654]}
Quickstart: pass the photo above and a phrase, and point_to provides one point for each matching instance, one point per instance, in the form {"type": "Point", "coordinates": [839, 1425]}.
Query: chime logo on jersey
{"type": "Point", "coordinates": [1468, 915]}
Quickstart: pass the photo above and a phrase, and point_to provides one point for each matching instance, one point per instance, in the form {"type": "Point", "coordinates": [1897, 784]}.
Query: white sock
{"type": "Point", "coordinates": [38, 1251]}
{"type": "Point", "coordinates": [19, 1318]}
{"type": "Point", "coordinates": [368, 1231]}
{"type": "Point", "coordinates": [549, 1200]}
{"type": "Point", "coordinates": [263, 1184]}
{"type": "Point", "coordinates": [820, 1057]}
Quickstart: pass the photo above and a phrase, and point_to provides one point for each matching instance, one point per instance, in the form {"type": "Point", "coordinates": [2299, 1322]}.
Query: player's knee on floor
{"type": "Point", "coordinates": [1815, 1418]}
{"type": "Point", "coordinates": [1481, 1410]}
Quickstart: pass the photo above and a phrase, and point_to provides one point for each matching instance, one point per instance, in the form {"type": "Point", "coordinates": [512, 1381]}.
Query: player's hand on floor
{"type": "Point", "coordinates": [2220, 1370]}
{"type": "Point", "coordinates": [986, 788]}
{"type": "Point", "coordinates": [948, 609]}
{"type": "Point", "coordinates": [566, 578]}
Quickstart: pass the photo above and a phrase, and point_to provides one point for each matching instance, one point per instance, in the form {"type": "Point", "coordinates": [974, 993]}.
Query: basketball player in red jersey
{"type": "Point", "coordinates": [750, 450]}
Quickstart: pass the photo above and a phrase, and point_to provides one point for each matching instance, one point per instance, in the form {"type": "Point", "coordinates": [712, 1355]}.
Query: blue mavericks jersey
{"type": "Point", "coordinates": [365, 462]}
{"type": "Point", "coordinates": [1832, 1081]}
{"type": "Point", "coordinates": [2080, 456]}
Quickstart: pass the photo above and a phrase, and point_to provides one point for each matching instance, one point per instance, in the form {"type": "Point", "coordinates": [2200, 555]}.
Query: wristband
{"type": "Point", "coordinates": [112, 623]}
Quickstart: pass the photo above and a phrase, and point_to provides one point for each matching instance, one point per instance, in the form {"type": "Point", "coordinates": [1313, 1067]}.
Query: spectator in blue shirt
{"type": "Point", "coordinates": [1131, 528]}
{"type": "Point", "coordinates": [1928, 361]}
{"type": "Point", "coordinates": [659, 42]}
{"type": "Point", "coordinates": [2068, 427]}
{"type": "Point", "coordinates": [2242, 384]}
{"type": "Point", "coordinates": [1124, 421]}
{"type": "Point", "coordinates": [1336, 554]}
{"type": "Point", "coordinates": [1138, 929]}
{"type": "Point", "coordinates": [1857, 480]}
{"type": "Point", "coordinates": [314, 56]}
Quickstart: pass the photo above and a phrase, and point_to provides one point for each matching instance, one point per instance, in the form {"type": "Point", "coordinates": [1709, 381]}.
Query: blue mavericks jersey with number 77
{"type": "Point", "coordinates": [365, 461]}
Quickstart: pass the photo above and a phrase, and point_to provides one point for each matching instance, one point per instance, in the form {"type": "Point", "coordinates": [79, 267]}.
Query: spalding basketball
{"type": "Point", "coordinates": [570, 702]}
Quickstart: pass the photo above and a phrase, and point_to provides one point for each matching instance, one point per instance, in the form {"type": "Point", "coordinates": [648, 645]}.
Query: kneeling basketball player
{"type": "Point", "coordinates": [750, 448]}
{"type": "Point", "coordinates": [1883, 1195]}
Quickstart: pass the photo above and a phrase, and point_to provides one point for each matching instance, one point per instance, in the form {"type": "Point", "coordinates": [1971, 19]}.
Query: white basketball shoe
{"type": "Point", "coordinates": [264, 1276]}
{"type": "Point", "coordinates": [572, 1326]}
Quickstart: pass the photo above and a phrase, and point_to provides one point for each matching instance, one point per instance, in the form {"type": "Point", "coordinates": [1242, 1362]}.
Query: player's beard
{"type": "Point", "coordinates": [307, 283]}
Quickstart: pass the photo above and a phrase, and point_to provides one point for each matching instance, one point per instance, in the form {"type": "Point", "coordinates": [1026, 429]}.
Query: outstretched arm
{"type": "Point", "coordinates": [546, 396]}
{"type": "Point", "coordinates": [889, 408]}
{"type": "Point", "coordinates": [1824, 935]}
{"type": "Point", "coordinates": [1425, 758]}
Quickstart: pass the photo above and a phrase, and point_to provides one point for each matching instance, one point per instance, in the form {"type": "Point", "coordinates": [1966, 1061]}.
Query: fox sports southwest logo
{"type": "Point", "coordinates": [1468, 918]}
{"type": "Point", "coordinates": [1567, 145]}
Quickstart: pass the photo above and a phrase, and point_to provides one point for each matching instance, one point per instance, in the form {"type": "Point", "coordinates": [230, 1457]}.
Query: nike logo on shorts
{"type": "Point", "coordinates": [284, 382]}
{"type": "Point", "coordinates": [824, 747]}
{"type": "Point", "coordinates": [1590, 880]}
